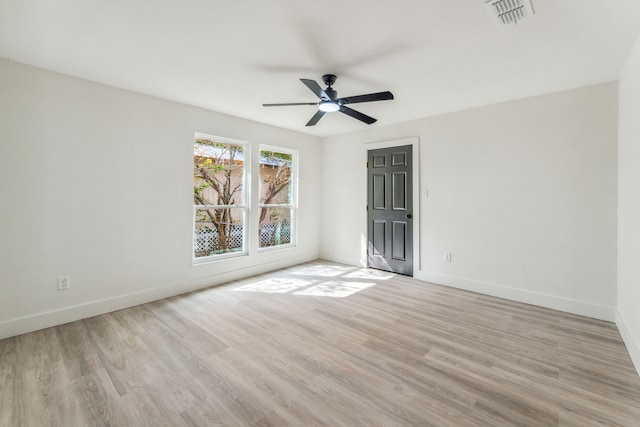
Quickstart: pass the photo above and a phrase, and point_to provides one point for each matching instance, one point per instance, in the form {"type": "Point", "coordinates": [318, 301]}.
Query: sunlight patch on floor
{"type": "Point", "coordinates": [324, 270]}
{"type": "Point", "coordinates": [275, 286]}
{"type": "Point", "coordinates": [366, 273]}
{"type": "Point", "coordinates": [335, 289]}
{"type": "Point", "coordinates": [337, 281]}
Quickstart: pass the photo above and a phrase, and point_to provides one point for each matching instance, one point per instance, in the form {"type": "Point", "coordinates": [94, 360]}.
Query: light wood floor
{"type": "Point", "coordinates": [286, 350]}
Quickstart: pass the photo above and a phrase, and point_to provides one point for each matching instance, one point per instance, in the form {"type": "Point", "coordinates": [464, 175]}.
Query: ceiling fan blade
{"type": "Point", "coordinates": [317, 116]}
{"type": "Point", "coordinates": [315, 88]}
{"type": "Point", "coordinates": [357, 115]}
{"type": "Point", "coordinates": [289, 103]}
{"type": "Point", "coordinates": [379, 96]}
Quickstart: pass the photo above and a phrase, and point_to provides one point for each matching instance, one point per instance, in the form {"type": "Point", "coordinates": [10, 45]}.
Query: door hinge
{"type": "Point", "coordinates": [367, 165]}
{"type": "Point", "coordinates": [367, 208]}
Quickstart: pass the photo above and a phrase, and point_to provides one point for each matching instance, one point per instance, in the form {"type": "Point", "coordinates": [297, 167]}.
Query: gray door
{"type": "Point", "coordinates": [390, 210]}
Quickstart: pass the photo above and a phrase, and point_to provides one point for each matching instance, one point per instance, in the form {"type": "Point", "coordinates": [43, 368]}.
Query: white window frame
{"type": "Point", "coordinates": [293, 203]}
{"type": "Point", "coordinates": [245, 205]}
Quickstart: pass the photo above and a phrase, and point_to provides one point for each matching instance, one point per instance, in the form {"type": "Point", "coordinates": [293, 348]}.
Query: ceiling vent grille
{"type": "Point", "coordinates": [507, 12]}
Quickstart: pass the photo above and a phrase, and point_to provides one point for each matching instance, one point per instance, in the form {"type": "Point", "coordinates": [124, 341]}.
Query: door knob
{"type": "Point", "coordinates": [409, 216]}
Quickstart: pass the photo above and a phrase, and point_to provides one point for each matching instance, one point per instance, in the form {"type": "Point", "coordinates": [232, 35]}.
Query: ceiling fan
{"type": "Point", "coordinates": [329, 101]}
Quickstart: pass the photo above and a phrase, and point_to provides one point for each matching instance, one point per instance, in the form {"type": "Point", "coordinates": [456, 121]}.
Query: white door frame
{"type": "Point", "coordinates": [415, 145]}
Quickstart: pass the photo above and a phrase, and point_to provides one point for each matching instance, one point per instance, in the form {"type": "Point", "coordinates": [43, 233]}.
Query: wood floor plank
{"type": "Point", "coordinates": [266, 351]}
{"type": "Point", "coordinates": [12, 396]}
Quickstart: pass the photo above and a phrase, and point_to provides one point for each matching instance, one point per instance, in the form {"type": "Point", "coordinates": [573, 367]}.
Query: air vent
{"type": "Point", "coordinates": [507, 12]}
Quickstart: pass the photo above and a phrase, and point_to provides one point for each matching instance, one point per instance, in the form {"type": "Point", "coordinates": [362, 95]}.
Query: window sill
{"type": "Point", "coordinates": [276, 248]}
{"type": "Point", "coordinates": [213, 258]}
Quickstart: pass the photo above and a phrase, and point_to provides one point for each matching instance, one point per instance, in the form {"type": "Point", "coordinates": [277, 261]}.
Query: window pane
{"type": "Point", "coordinates": [218, 174]}
{"type": "Point", "coordinates": [275, 178]}
{"type": "Point", "coordinates": [275, 226]}
{"type": "Point", "coordinates": [218, 231]}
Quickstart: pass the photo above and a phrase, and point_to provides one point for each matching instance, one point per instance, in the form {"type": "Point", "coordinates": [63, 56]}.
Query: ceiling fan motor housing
{"type": "Point", "coordinates": [332, 94]}
{"type": "Point", "coordinates": [329, 80]}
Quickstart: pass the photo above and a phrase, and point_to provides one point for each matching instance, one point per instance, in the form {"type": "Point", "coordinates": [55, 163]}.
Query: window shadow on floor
{"type": "Point", "coordinates": [321, 280]}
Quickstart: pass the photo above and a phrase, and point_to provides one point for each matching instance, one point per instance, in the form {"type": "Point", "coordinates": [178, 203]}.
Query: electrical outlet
{"type": "Point", "coordinates": [447, 257]}
{"type": "Point", "coordinates": [63, 283]}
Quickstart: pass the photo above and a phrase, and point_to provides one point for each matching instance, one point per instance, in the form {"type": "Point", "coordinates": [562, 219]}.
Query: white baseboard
{"type": "Point", "coordinates": [633, 347]}
{"type": "Point", "coordinates": [582, 308]}
{"type": "Point", "coordinates": [34, 322]}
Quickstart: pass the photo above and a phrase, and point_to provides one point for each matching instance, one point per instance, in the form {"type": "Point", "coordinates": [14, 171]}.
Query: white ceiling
{"type": "Point", "coordinates": [233, 55]}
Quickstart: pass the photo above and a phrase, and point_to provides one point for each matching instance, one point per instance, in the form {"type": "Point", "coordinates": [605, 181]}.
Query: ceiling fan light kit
{"type": "Point", "coordinates": [330, 103]}
{"type": "Point", "coordinates": [328, 106]}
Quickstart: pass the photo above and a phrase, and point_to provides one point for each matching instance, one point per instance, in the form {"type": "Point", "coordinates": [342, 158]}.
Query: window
{"type": "Point", "coordinates": [219, 196]}
{"type": "Point", "coordinates": [277, 197]}
{"type": "Point", "coordinates": [221, 202]}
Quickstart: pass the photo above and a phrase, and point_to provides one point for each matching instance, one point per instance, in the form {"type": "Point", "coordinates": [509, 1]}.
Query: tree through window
{"type": "Point", "coordinates": [219, 196]}
{"type": "Point", "coordinates": [277, 197]}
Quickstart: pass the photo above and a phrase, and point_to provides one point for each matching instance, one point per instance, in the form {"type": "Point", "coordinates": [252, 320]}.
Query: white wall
{"type": "Point", "coordinates": [523, 194]}
{"type": "Point", "coordinates": [628, 307]}
{"type": "Point", "coordinates": [96, 183]}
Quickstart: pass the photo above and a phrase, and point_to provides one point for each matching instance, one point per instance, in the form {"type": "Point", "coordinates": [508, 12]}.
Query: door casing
{"type": "Point", "coordinates": [414, 142]}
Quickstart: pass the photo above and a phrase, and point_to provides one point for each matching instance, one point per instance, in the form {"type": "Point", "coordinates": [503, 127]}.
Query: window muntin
{"type": "Point", "coordinates": [277, 205]}
{"type": "Point", "coordinates": [219, 197]}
